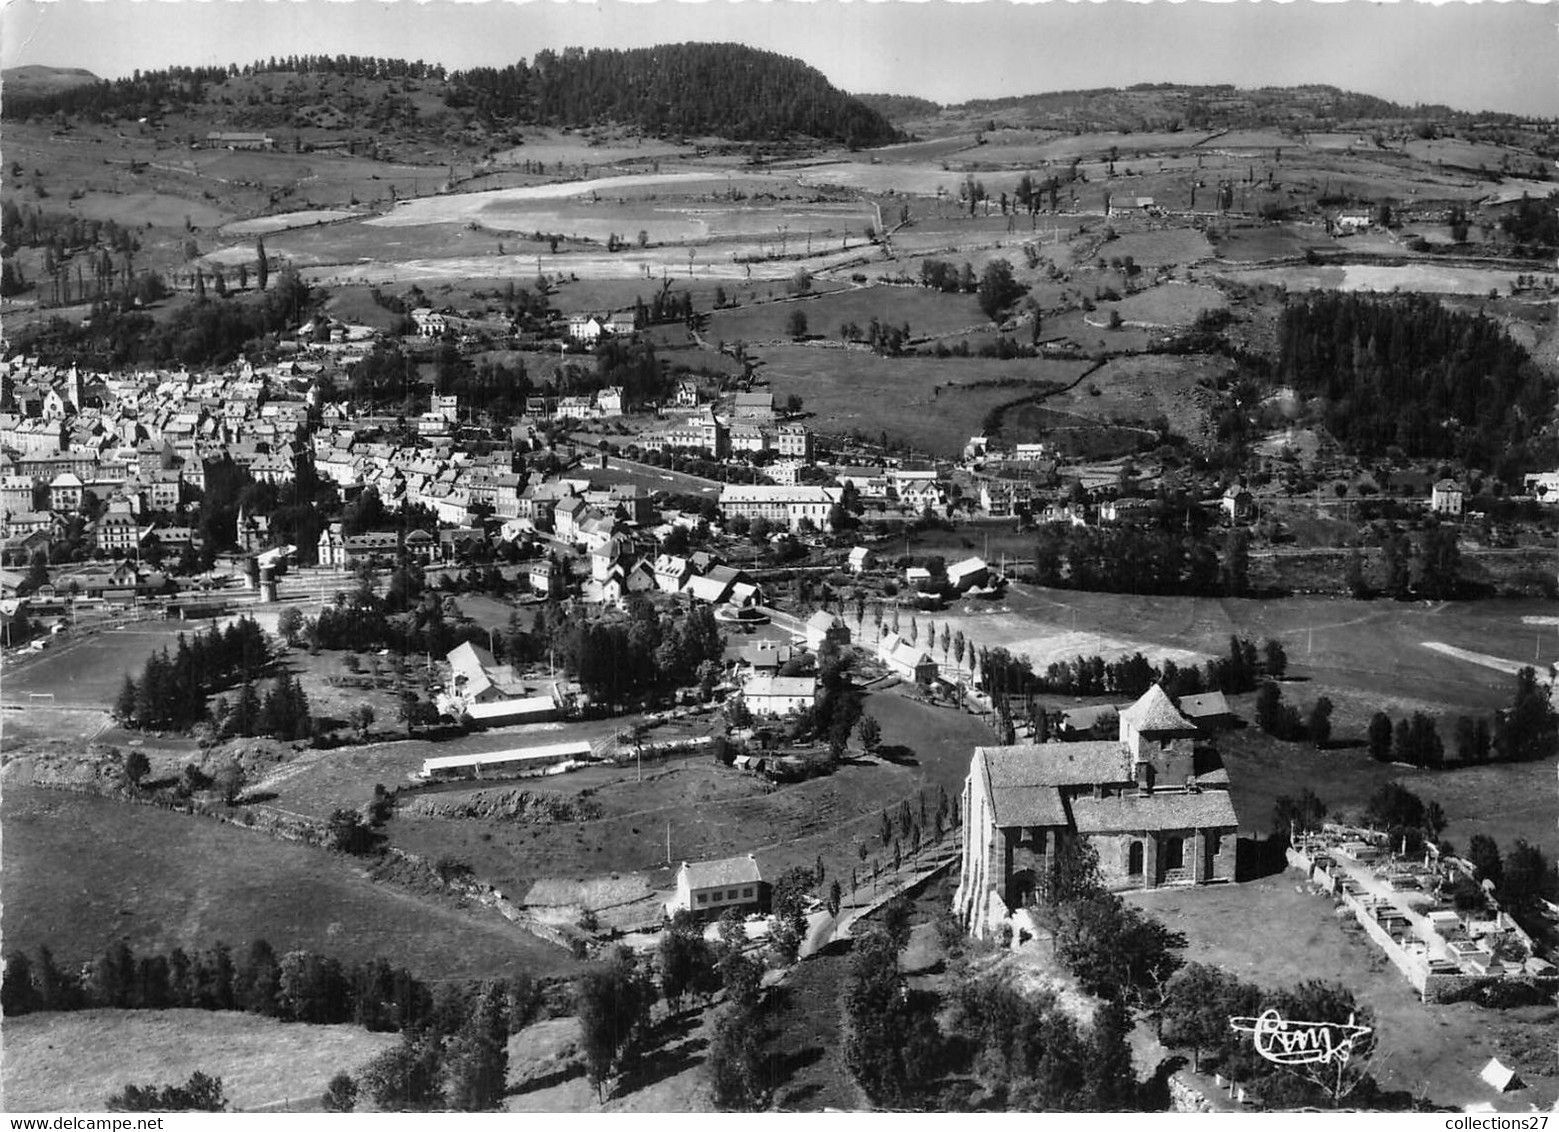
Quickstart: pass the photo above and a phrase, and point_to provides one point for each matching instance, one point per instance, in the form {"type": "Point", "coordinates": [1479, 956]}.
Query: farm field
{"type": "Point", "coordinates": [1140, 389]}
{"type": "Point", "coordinates": [1169, 305]}
{"type": "Point", "coordinates": [933, 404]}
{"type": "Point", "coordinates": [1423, 277]}
{"type": "Point", "coordinates": [1373, 646]}
{"type": "Point", "coordinates": [929, 313]}
{"type": "Point", "coordinates": [1275, 932]}
{"type": "Point", "coordinates": [178, 881]}
{"type": "Point", "coordinates": [263, 1063]}
{"type": "Point", "coordinates": [281, 221]}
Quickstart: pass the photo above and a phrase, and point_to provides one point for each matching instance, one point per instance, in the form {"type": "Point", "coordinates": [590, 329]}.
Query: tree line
{"type": "Point", "coordinates": [1138, 560]}
{"type": "Point", "coordinates": [1004, 675]}
{"type": "Point", "coordinates": [208, 332]}
{"type": "Point", "coordinates": [1525, 731]}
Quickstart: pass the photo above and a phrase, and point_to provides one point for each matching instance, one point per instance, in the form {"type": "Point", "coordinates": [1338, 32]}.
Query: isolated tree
{"type": "Point", "coordinates": [476, 1059]}
{"type": "Point", "coordinates": [1483, 855]}
{"type": "Point", "coordinates": [1526, 876]}
{"type": "Point", "coordinates": [997, 288]}
{"type": "Point", "coordinates": [1380, 737]}
{"type": "Point", "coordinates": [1298, 815]}
{"type": "Point", "coordinates": [796, 323]}
{"type": "Point", "coordinates": [406, 1077]}
{"type": "Point", "coordinates": [1319, 724]}
{"type": "Point", "coordinates": [613, 1002]}
{"type": "Point", "coordinates": [735, 1062]}
{"type": "Point", "coordinates": [870, 732]}
{"type": "Point", "coordinates": [1275, 658]}
{"type": "Point", "coordinates": [340, 1094]}
{"type": "Point", "coordinates": [136, 767]}
{"type": "Point", "coordinates": [262, 273]}
{"type": "Point", "coordinates": [289, 623]}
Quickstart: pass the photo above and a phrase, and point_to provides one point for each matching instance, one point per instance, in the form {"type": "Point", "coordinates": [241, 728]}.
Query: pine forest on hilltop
{"type": "Point", "coordinates": [1410, 374]}
{"type": "Point", "coordinates": [692, 89]}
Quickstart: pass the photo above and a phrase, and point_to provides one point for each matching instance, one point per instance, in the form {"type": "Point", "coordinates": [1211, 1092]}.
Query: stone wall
{"type": "Point", "coordinates": [1185, 1097]}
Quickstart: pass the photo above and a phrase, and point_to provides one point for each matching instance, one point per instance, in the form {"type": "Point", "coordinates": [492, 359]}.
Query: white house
{"type": "Point", "coordinates": [1445, 498]}
{"type": "Point", "coordinates": [779, 695]}
{"type": "Point", "coordinates": [860, 559]}
{"type": "Point", "coordinates": [905, 660]}
{"type": "Point", "coordinates": [968, 573]}
{"type": "Point", "coordinates": [714, 886]}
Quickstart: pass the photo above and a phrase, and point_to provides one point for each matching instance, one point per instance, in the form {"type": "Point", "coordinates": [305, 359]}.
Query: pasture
{"type": "Point", "coordinates": [929, 314]}
{"type": "Point", "coordinates": [1427, 278]}
{"type": "Point", "coordinates": [178, 881]}
{"type": "Point", "coordinates": [1276, 932]}
{"type": "Point", "coordinates": [1170, 305]}
{"type": "Point", "coordinates": [74, 1062]}
{"type": "Point", "coordinates": [933, 404]}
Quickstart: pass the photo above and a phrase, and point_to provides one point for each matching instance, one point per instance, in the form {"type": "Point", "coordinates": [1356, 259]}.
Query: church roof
{"type": "Point", "coordinates": [1125, 813]}
{"type": "Point", "coordinates": [1154, 712]}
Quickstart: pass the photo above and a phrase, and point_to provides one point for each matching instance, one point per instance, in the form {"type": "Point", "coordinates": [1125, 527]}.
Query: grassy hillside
{"type": "Point", "coordinates": [263, 1063]}
{"type": "Point", "coordinates": [161, 880]}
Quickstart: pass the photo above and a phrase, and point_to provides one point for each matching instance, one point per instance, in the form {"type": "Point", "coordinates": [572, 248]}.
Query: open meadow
{"type": "Point", "coordinates": [934, 404]}
{"type": "Point", "coordinates": [76, 1061]}
{"type": "Point", "coordinates": [159, 880]}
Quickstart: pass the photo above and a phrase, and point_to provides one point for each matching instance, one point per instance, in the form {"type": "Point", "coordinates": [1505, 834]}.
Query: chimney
{"type": "Point", "coordinates": [1144, 777]}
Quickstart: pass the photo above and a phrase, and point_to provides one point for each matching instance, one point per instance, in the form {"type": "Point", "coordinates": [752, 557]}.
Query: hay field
{"type": "Point", "coordinates": [74, 1062]}
{"type": "Point", "coordinates": [932, 403]}
{"type": "Point", "coordinates": [1169, 305]}
{"type": "Point", "coordinates": [281, 221]}
{"type": "Point", "coordinates": [927, 312]}
{"type": "Point", "coordinates": [1426, 278]}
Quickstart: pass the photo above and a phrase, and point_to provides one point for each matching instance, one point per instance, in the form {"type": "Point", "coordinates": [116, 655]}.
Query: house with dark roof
{"type": "Point", "coordinates": [713, 886]}
{"type": "Point", "coordinates": [1153, 805]}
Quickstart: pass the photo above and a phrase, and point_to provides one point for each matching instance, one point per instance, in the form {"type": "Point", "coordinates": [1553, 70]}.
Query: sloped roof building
{"type": "Point", "coordinates": [1153, 805]}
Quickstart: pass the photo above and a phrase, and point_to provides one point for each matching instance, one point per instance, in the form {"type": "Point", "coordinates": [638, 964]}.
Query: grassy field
{"type": "Point", "coordinates": [263, 1063]}
{"type": "Point", "coordinates": [933, 404]}
{"type": "Point", "coordinates": [1274, 932]}
{"type": "Point", "coordinates": [928, 313]}
{"type": "Point", "coordinates": [88, 667]}
{"type": "Point", "coordinates": [177, 881]}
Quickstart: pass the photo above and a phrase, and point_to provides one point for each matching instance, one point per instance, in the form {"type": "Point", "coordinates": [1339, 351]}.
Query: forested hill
{"type": "Point", "coordinates": [693, 89]}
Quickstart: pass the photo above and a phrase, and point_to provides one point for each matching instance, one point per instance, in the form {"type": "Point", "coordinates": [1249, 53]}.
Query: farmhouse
{"type": "Point", "coordinates": [905, 660]}
{"type": "Point", "coordinates": [779, 695]}
{"type": "Point", "coordinates": [491, 693]}
{"type": "Point", "coordinates": [714, 886]}
{"type": "Point", "coordinates": [1153, 807]}
{"type": "Point", "coordinates": [1445, 498]}
{"type": "Point", "coordinates": [968, 573]}
{"type": "Point", "coordinates": [503, 764]}
{"type": "Point", "coordinates": [1238, 504]}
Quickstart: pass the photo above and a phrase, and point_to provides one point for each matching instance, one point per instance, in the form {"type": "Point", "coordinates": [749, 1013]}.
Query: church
{"type": "Point", "coordinates": [1154, 806]}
